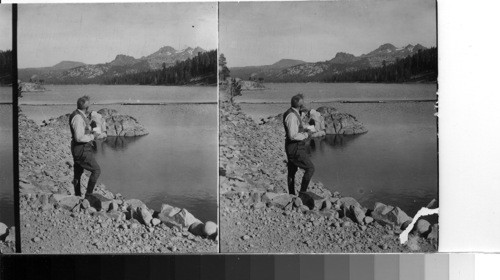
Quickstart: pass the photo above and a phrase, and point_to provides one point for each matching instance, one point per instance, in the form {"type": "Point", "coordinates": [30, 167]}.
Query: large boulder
{"type": "Point", "coordinates": [167, 214]}
{"type": "Point", "coordinates": [434, 232]}
{"type": "Point", "coordinates": [311, 200]}
{"type": "Point", "coordinates": [98, 201]}
{"type": "Point", "coordinates": [386, 214]}
{"type": "Point", "coordinates": [69, 202]}
{"type": "Point", "coordinates": [340, 123]}
{"type": "Point", "coordinates": [335, 122]}
{"type": "Point", "coordinates": [3, 231]}
{"type": "Point", "coordinates": [144, 215]}
{"type": "Point", "coordinates": [422, 227]}
{"type": "Point", "coordinates": [11, 236]}
{"type": "Point", "coordinates": [358, 214]}
{"type": "Point", "coordinates": [185, 219]}
{"type": "Point", "coordinates": [116, 124]}
{"type": "Point", "coordinates": [280, 200]}
{"type": "Point", "coordinates": [121, 125]}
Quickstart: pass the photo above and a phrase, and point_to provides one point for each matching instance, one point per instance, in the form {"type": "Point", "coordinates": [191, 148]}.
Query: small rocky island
{"type": "Point", "coordinates": [259, 216]}
{"type": "Point", "coordinates": [53, 220]}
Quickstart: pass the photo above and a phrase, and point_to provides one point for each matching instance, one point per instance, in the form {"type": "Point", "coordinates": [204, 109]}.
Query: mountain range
{"type": "Point", "coordinates": [300, 71]}
{"type": "Point", "coordinates": [78, 72]}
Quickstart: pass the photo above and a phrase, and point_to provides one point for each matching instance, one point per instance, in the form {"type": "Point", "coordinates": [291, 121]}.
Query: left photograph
{"type": "Point", "coordinates": [118, 128]}
{"type": "Point", "coordinates": [7, 222]}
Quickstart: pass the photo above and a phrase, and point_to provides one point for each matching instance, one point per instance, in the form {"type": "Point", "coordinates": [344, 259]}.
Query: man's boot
{"type": "Point", "coordinates": [77, 187]}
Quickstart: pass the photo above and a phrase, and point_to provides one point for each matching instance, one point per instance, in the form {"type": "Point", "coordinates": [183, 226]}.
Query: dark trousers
{"type": "Point", "coordinates": [297, 157]}
{"type": "Point", "coordinates": [83, 157]}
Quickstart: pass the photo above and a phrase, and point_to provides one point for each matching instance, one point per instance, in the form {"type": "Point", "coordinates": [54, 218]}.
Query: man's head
{"type": "Point", "coordinates": [83, 103]}
{"type": "Point", "coordinates": [297, 101]}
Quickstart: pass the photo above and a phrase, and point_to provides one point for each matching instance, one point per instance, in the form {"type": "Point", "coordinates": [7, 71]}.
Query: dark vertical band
{"type": "Point", "coordinates": [15, 128]}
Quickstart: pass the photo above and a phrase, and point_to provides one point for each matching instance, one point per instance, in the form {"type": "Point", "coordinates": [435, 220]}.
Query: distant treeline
{"type": "Point", "coordinates": [422, 66]}
{"type": "Point", "coordinates": [6, 67]}
{"type": "Point", "coordinates": [199, 69]}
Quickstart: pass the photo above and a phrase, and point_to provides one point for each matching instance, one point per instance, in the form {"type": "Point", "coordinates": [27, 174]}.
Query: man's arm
{"type": "Point", "coordinates": [292, 123]}
{"type": "Point", "coordinates": [78, 125]}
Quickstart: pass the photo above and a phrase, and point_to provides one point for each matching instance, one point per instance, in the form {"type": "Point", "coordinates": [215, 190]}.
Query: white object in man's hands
{"type": "Point", "coordinates": [311, 128]}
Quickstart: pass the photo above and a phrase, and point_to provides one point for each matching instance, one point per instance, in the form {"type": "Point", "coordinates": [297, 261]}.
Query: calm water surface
{"type": "Point", "coordinates": [6, 167]}
{"type": "Point", "coordinates": [5, 94]}
{"type": "Point", "coordinates": [394, 163]}
{"type": "Point", "coordinates": [174, 164]}
{"type": "Point", "coordinates": [105, 94]}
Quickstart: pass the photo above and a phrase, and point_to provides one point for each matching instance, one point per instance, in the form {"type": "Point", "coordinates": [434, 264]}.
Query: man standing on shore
{"type": "Point", "coordinates": [295, 147]}
{"type": "Point", "coordinates": [82, 145]}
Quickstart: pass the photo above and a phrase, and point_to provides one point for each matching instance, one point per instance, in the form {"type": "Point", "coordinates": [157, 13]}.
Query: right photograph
{"type": "Point", "coordinates": [328, 127]}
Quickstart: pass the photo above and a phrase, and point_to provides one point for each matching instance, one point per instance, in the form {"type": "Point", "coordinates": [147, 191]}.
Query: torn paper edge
{"type": "Point", "coordinates": [403, 237]}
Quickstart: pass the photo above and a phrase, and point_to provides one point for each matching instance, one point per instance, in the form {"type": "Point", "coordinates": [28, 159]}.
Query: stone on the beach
{"type": "Point", "coordinates": [406, 224]}
{"type": "Point", "coordinates": [327, 204]}
{"type": "Point", "coordinates": [197, 229]}
{"type": "Point", "coordinates": [98, 201]}
{"type": "Point", "coordinates": [422, 227]}
{"type": "Point", "coordinates": [279, 200]}
{"type": "Point", "coordinates": [347, 206]}
{"type": "Point", "coordinates": [434, 233]}
{"type": "Point", "coordinates": [412, 243]}
{"type": "Point", "coordinates": [368, 220]}
{"type": "Point", "coordinates": [155, 221]}
{"type": "Point", "coordinates": [144, 215]}
{"type": "Point", "coordinates": [133, 203]}
{"type": "Point", "coordinates": [297, 202]}
{"type": "Point", "coordinates": [44, 199]}
{"type": "Point", "coordinates": [3, 230]}
{"type": "Point", "coordinates": [11, 236]}
{"type": "Point", "coordinates": [358, 214]}
{"type": "Point", "coordinates": [347, 202]}
{"type": "Point", "coordinates": [113, 206]}
{"type": "Point", "coordinates": [116, 215]}
{"type": "Point", "coordinates": [386, 214]}
{"type": "Point", "coordinates": [311, 200]}
{"type": "Point", "coordinates": [85, 204]}
{"type": "Point", "coordinates": [185, 219]}
{"type": "Point", "coordinates": [167, 214]}
{"type": "Point", "coordinates": [210, 228]}
{"type": "Point", "coordinates": [25, 188]}
{"type": "Point", "coordinates": [69, 202]}
{"type": "Point", "coordinates": [258, 205]}
{"type": "Point", "coordinates": [256, 196]}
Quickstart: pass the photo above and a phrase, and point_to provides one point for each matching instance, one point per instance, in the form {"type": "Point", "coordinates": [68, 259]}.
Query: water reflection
{"type": "Point", "coordinates": [335, 141]}
{"type": "Point", "coordinates": [116, 143]}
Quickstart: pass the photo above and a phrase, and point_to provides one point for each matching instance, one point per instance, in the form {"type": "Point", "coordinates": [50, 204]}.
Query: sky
{"type": "Point", "coordinates": [5, 27]}
{"type": "Point", "coordinates": [96, 33]}
{"type": "Point", "coordinates": [259, 33]}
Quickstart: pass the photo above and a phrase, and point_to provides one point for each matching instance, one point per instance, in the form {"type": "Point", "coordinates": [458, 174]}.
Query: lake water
{"type": "Point", "coordinates": [105, 94]}
{"type": "Point", "coordinates": [174, 164]}
{"type": "Point", "coordinates": [6, 166]}
{"type": "Point", "coordinates": [394, 163]}
{"type": "Point", "coordinates": [5, 94]}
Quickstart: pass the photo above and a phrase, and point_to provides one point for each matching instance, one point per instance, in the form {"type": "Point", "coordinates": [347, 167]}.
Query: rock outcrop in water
{"type": "Point", "coordinates": [258, 215]}
{"type": "Point", "coordinates": [335, 122]}
{"type": "Point", "coordinates": [53, 220]}
{"type": "Point", "coordinates": [31, 87]}
{"type": "Point", "coordinates": [117, 124]}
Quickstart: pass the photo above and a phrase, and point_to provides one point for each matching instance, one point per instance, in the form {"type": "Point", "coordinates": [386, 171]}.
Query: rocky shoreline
{"type": "Point", "coordinates": [7, 239]}
{"type": "Point", "coordinates": [31, 87]}
{"type": "Point", "coordinates": [53, 220]}
{"type": "Point", "coordinates": [257, 214]}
